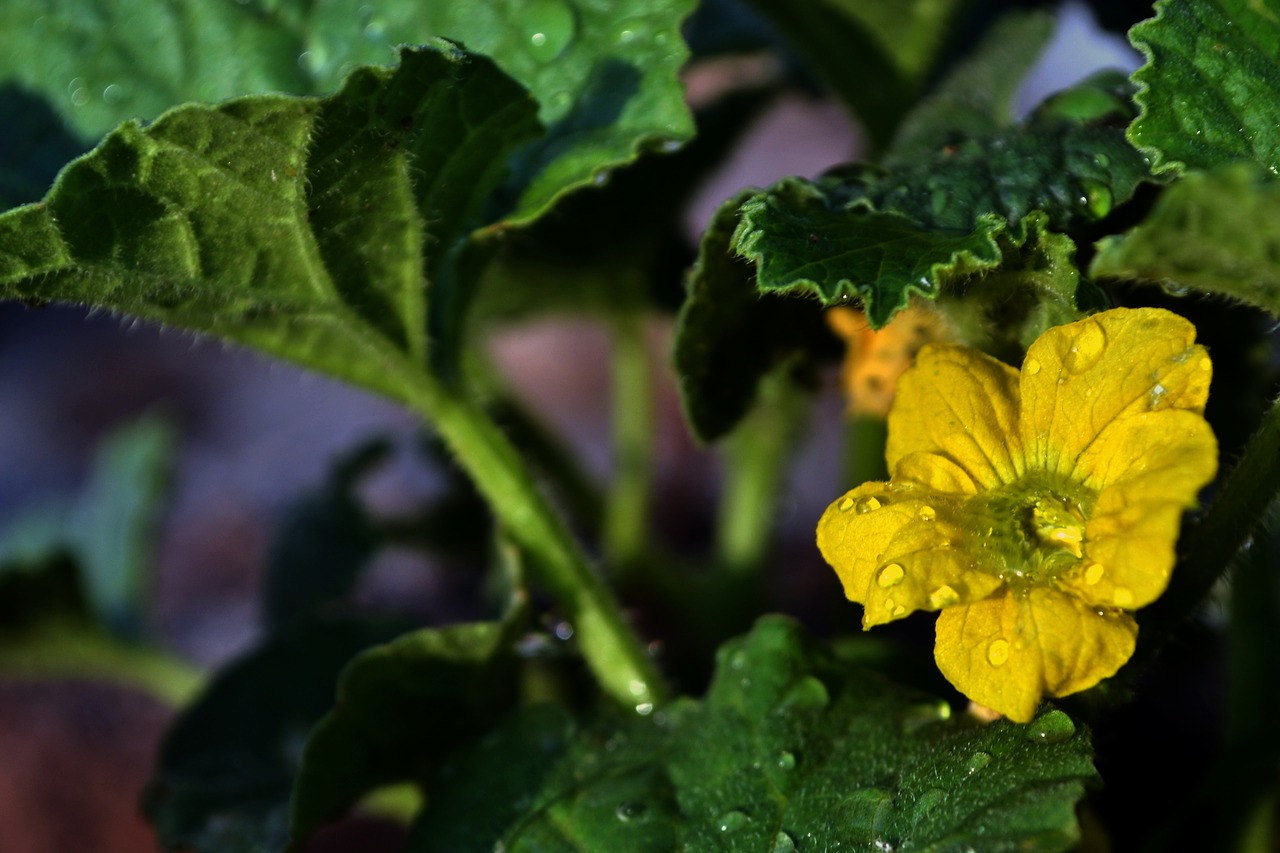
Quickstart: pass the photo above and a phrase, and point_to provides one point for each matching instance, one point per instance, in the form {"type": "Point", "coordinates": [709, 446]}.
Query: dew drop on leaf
{"type": "Point", "coordinates": [629, 812]}
{"type": "Point", "coordinates": [1050, 727]}
{"type": "Point", "coordinates": [977, 761]}
{"type": "Point", "coordinates": [783, 843]}
{"type": "Point", "coordinates": [928, 800]}
{"type": "Point", "coordinates": [732, 821]}
{"type": "Point", "coordinates": [786, 760]}
{"type": "Point", "coordinates": [807, 693]}
{"type": "Point", "coordinates": [554, 23]}
{"type": "Point", "coordinates": [864, 811]}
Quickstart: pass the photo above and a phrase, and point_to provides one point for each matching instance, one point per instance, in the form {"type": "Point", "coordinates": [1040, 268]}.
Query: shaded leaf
{"type": "Point", "coordinates": [329, 271]}
{"type": "Point", "coordinates": [228, 763]}
{"type": "Point", "coordinates": [1207, 90]}
{"type": "Point", "coordinates": [321, 544]}
{"type": "Point", "coordinates": [849, 42]}
{"type": "Point", "coordinates": [1212, 232]}
{"type": "Point", "coordinates": [729, 334]}
{"type": "Point", "coordinates": [401, 708]}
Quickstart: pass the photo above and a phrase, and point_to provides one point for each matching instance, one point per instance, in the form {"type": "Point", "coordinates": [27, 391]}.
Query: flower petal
{"type": "Point", "coordinates": [961, 405]}
{"type": "Point", "coordinates": [1009, 651]}
{"type": "Point", "coordinates": [891, 547]}
{"type": "Point", "coordinates": [1080, 377]}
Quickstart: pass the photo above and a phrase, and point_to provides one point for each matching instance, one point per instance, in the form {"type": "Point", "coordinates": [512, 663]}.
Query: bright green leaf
{"type": "Point", "coordinates": [1212, 232]}
{"type": "Point", "coordinates": [226, 766]}
{"type": "Point", "coordinates": [401, 708]}
{"type": "Point", "coordinates": [1207, 91]}
{"type": "Point", "coordinates": [346, 194]}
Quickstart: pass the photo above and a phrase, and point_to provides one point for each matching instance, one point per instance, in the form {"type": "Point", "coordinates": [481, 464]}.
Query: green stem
{"type": "Point", "coordinates": [611, 649]}
{"type": "Point", "coordinates": [627, 506]}
{"type": "Point", "coordinates": [756, 461]}
{"type": "Point", "coordinates": [864, 450]}
{"type": "Point", "coordinates": [1209, 546]}
{"type": "Point", "coordinates": [78, 652]}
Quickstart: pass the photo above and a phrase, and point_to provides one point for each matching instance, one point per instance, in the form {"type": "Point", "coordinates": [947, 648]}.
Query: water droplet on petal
{"type": "Point", "coordinates": [732, 821]}
{"type": "Point", "coordinates": [1158, 392]}
{"type": "Point", "coordinates": [1093, 574]}
{"type": "Point", "coordinates": [1050, 727]}
{"type": "Point", "coordinates": [1087, 348]}
{"type": "Point", "coordinates": [631, 811]}
{"type": "Point", "coordinates": [1122, 596]}
{"type": "Point", "coordinates": [782, 843]}
{"type": "Point", "coordinates": [846, 504]}
{"type": "Point", "coordinates": [943, 596]}
{"type": "Point", "coordinates": [554, 24]}
{"type": "Point", "coordinates": [1032, 367]}
{"type": "Point", "coordinates": [1206, 364]}
{"type": "Point", "coordinates": [998, 652]}
{"type": "Point", "coordinates": [869, 504]}
{"type": "Point", "coordinates": [927, 513]}
{"type": "Point", "coordinates": [890, 575]}
{"type": "Point", "coordinates": [977, 761]}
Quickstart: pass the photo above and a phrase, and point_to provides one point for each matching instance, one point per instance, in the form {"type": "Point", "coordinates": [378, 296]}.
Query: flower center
{"type": "Point", "coordinates": [1032, 531]}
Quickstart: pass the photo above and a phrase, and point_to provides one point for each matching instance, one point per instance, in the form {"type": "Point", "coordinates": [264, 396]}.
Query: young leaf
{"type": "Point", "coordinates": [345, 195]}
{"type": "Point", "coordinates": [401, 708]}
{"type": "Point", "coordinates": [227, 765]}
{"type": "Point", "coordinates": [1212, 231]}
{"type": "Point", "coordinates": [1207, 91]}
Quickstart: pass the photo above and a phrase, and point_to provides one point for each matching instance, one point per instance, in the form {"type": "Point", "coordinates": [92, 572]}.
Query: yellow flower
{"type": "Point", "coordinates": [1035, 509]}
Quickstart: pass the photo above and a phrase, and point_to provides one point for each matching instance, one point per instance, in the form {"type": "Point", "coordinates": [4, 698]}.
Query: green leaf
{"type": "Point", "coordinates": [401, 708]}
{"type": "Point", "coordinates": [1212, 232]}
{"type": "Point", "coordinates": [227, 764]}
{"type": "Point", "coordinates": [729, 335]}
{"type": "Point", "coordinates": [347, 195]}
{"type": "Point", "coordinates": [321, 544]}
{"type": "Point", "coordinates": [797, 749]}
{"type": "Point", "coordinates": [849, 42]}
{"type": "Point", "coordinates": [976, 97]}
{"type": "Point", "coordinates": [1207, 91]}
{"type": "Point", "coordinates": [792, 749]}
{"type": "Point", "coordinates": [542, 782]}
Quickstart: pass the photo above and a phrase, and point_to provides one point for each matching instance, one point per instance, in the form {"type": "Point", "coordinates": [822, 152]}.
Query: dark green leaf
{"type": "Point", "coordinates": [1213, 232]}
{"type": "Point", "coordinates": [1208, 89]}
{"type": "Point", "coordinates": [540, 782]}
{"type": "Point", "coordinates": [401, 708]}
{"type": "Point", "coordinates": [976, 98]}
{"type": "Point", "coordinates": [321, 544]}
{"type": "Point", "coordinates": [227, 765]}
{"type": "Point", "coordinates": [346, 193]}
{"type": "Point", "coordinates": [729, 334]}
{"type": "Point", "coordinates": [792, 749]}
